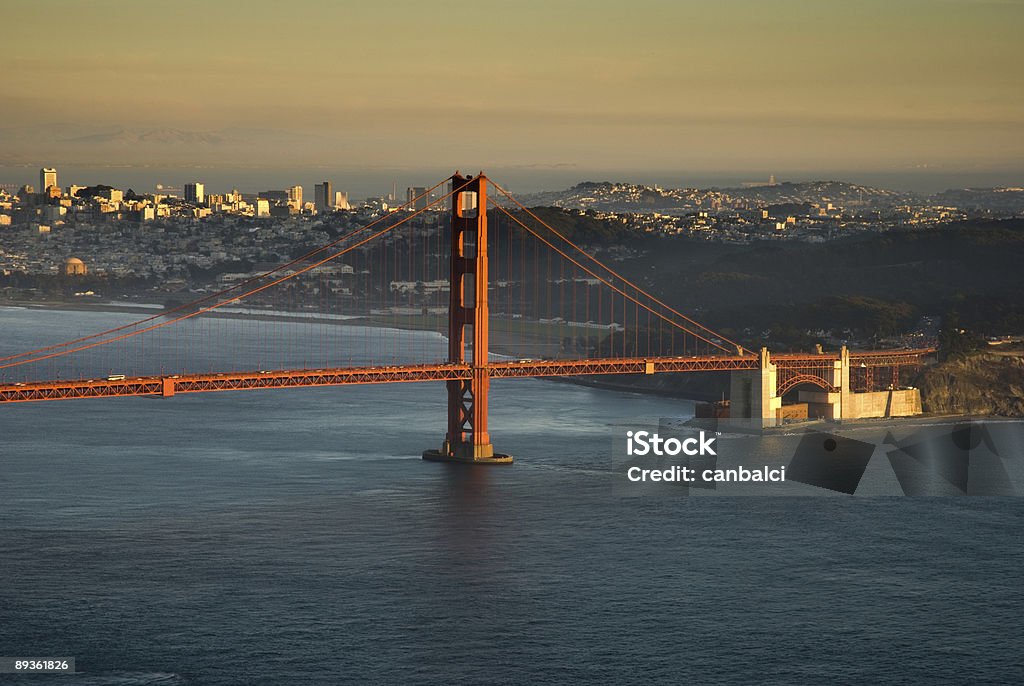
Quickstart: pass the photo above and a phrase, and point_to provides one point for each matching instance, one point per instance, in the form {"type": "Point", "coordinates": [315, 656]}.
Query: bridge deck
{"type": "Point", "coordinates": [296, 378]}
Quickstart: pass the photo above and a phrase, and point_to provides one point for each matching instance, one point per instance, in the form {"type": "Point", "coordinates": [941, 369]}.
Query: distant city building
{"type": "Point", "coordinates": [262, 207]}
{"type": "Point", "coordinates": [323, 196]}
{"type": "Point", "coordinates": [295, 197]}
{"type": "Point", "coordinates": [414, 192]}
{"type": "Point", "coordinates": [195, 193]}
{"type": "Point", "coordinates": [74, 267]}
{"type": "Point", "coordinates": [47, 178]}
{"type": "Point", "coordinates": [341, 201]}
{"type": "Point", "coordinates": [54, 213]}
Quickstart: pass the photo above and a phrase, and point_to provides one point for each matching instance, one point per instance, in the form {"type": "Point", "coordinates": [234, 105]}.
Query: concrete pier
{"type": "Point", "coordinates": [466, 457]}
{"type": "Point", "coordinates": [754, 395]}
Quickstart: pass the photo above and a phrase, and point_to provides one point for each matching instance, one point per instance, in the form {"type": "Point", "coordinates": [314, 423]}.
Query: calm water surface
{"type": "Point", "coordinates": [295, 537]}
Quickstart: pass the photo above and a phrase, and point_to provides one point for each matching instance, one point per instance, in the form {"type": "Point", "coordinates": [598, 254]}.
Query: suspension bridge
{"type": "Point", "coordinates": [463, 265]}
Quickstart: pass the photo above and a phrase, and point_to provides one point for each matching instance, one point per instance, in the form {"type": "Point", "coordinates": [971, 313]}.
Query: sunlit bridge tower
{"type": "Point", "coordinates": [467, 439]}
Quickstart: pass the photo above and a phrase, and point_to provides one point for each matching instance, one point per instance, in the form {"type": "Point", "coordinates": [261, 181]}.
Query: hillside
{"type": "Point", "coordinates": [607, 196]}
{"type": "Point", "coordinates": [979, 384]}
{"type": "Point", "coordinates": [875, 284]}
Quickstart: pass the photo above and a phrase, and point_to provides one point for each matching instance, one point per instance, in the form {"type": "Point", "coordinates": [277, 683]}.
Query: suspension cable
{"type": "Point", "coordinates": [608, 283]}
{"type": "Point", "coordinates": [625, 280]}
{"type": "Point", "coordinates": [236, 298]}
{"type": "Point", "coordinates": [212, 296]}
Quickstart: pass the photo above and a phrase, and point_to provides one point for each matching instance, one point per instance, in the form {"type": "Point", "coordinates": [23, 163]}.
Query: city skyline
{"type": "Point", "coordinates": [791, 86]}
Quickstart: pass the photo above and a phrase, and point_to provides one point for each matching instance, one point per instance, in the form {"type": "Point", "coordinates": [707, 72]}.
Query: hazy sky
{"type": "Point", "coordinates": [716, 85]}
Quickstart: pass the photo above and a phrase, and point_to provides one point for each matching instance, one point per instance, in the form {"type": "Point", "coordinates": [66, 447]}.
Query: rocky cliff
{"type": "Point", "coordinates": [979, 384]}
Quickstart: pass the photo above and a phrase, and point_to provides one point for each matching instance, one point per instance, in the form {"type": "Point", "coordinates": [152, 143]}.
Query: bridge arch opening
{"type": "Point", "coordinates": [794, 382]}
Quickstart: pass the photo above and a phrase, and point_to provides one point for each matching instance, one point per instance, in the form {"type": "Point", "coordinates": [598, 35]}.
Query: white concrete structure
{"type": "Point", "coordinates": [754, 395]}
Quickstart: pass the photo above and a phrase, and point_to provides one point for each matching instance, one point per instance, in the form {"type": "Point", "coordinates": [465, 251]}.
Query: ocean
{"type": "Point", "coordinates": [296, 537]}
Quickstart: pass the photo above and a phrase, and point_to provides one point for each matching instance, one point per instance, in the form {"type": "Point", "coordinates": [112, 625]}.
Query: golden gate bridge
{"type": "Point", "coordinates": [548, 293]}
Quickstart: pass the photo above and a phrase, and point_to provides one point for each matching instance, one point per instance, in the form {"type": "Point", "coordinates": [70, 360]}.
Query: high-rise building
{"type": "Point", "coordinates": [47, 178]}
{"type": "Point", "coordinates": [414, 192]}
{"type": "Point", "coordinates": [195, 193]}
{"type": "Point", "coordinates": [341, 201]}
{"type": "Point", "coordinates": [295, 197]}
{"type": "Point", "coordinates": [324, 197]}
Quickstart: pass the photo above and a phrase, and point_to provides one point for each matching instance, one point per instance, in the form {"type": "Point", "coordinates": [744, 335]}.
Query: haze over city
{"type": "Point", "coordinates": [671, 91]}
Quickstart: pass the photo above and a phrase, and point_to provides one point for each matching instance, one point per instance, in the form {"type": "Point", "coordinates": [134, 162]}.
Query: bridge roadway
{"type": "Point", "coordinates": [169, 385]}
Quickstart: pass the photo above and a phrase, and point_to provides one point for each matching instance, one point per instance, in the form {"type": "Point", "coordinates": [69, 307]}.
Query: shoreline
{"type": "Point", "coordinates": [154, 310]}
{"type": "Point", "coordinates": [500, 340]}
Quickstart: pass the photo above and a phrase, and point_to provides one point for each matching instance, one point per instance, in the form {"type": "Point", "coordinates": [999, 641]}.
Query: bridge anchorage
{"type": "Point", "coordinates": [467, 438]}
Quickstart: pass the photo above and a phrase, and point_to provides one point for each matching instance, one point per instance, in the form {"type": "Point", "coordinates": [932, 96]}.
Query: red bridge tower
{"type": "Point", "coordinates": [467, 439]}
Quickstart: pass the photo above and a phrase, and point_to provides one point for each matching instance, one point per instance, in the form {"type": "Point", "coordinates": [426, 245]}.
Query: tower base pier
{"type": "Point", "coordinates": [468, 455]}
